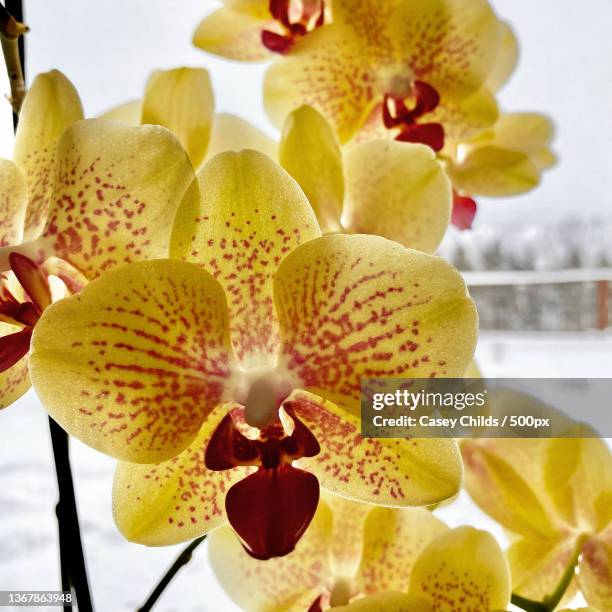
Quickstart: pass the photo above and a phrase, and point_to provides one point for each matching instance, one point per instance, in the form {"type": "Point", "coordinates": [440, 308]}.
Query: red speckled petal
{"type": "Point", "coordinates": [328, 69]}
{"type": "Point", "coordinates": [177, 500]}
{"type": "Point", "coordinates": [393, 539]}
{"type": "Point", "coordinates": [462, 570]}
{"type": "Point", "coordinates": [14, 381]}
{"type": "Point", "coordinates": [50, 106]}
{"type": "Point", "coordinates": [280, 583]}
{"type": "Point", "coordinates": [595, 570]}
{"type": "Point", "coordinates": [393, 472]}
{"type": "Point", "coordinates": [117, 190]}
{"type": "Point", "coordinates": [450, 44]}
{"type": "Point", "coordinates": [362, 306]}
{"type": "Point", "coordinates": [134, 363]}
{"type": "Point", "coordinates": [251, 216]}
{"type": "Point", "coordinates": [13, 200]}
{"type": "Point", "coordinates": [271, 509]}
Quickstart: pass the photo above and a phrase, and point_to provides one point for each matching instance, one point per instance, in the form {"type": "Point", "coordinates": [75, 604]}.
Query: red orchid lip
{"type": "Point", "coordinates": [271, 508]}
{"type": "Point", "coordinates": [464, 211]}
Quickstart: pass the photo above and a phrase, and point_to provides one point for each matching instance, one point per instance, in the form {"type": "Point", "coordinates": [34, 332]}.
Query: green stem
{"type": "Point", "coordinates": [183, 558]}
{"type": "Point", "coordinates": [551, 601]}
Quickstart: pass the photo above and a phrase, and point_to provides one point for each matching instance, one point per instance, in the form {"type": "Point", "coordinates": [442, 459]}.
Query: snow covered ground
{"type": "Point", "coordinates": [121, 573]}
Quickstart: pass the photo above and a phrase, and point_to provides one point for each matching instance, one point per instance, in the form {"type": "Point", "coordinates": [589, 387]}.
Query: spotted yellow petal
{"type": "Point", "coordinates": [233, 34]}
{"type": "Point", "coordinates": [176, 500]}
{"type": "Point", "coordinates": [50, 106]}
{"type": "Point", "coordinates": [357, 306]}
{"type": "Point", "coordinates": [128, 112]}
{"type": "Point", "coordinates": [450, 44]}
{"type": "Point", "coordinates": [251, 216]}
{"type": "Point", "coordinates": [390, 472]}
{"type": "Point", "coordinates": [466, 118]}
{"type": "Point", "coordinates": [595, 570]}
{"type": "Point", "coordinates": [13, 202]}
{"type": "Point", "coordinates": [134, 363]}
{"type": "Point", "coordinates": [326, 70]}
{"type": "Point", "coordinates": [389, 601]}
{"type": "Point", "coordinates": [279, 583]}
{"type": "Point", "coordinates": [495, 172]}
{"type": "Point", "coordinates": [506, 60]}
{"type": "Point", "coordinates": [502, 476]}
{"type": "Point", "coordinates": [537, 565]}
{"type": "Point", "coordinates": [182, 100]}
{"type": "Point", "coordinates": [14, 381]}
{"type": "Point", "coordinates": [393, 540]}
{"type": "Point", "coordinates": [232, 133]}
{"type": "Point", "coordinates": [399, 191]}
{"type": "Point", "coordinates": [117, 189]}
{"type": "Point", "coordinates": [462, 570]}
{"type": "Point", "coordinates": [310, 152]}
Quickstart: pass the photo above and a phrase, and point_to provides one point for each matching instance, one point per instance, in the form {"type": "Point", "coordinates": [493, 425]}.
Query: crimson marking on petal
{"type": "Point", "coordinates": [316, 605]}
{"type": "Point", "coordinates": [229, 448]}
{"type": "Point", "coordinates": [13, 347]}
{"type": "Point", "coordinates": [464, 211]}
{"type": "Point", "coordinates": [271, 509]}
{"type": "Point", "coordinates": [312, 16]}
{"type": "Point", "coordinates": [33, 280]}
{"type": "Point", "coordinates": [431, 134]}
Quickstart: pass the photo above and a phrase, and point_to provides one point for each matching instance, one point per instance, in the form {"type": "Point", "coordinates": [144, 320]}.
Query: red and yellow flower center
{"type": "Point", "coordinates": [271, 508]}
{"type": "Point", "coordinates": [296, 19]}
{"type": "Point", "coordinates": [398, 115]}
{"type": "Point", "coordinates": [24, 314]}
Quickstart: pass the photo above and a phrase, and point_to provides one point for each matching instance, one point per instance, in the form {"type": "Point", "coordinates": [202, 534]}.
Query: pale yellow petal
{"type": "Point", "coordinates": [399, 191]}
{"type": "Point", "coordinates": [507, 59]}
{"type": "Point", "coordinates": [251, 216]}
{"type": "Point", "coordinates": [13, 202]}
{"type": "Point", "coordinates": [462, 570]}
{"type": "Point", "coordinates": [595, 570]}
{"type": "Point", "coordinates": [232, 133]}
{"type": "Point", "coordinates": [310, 152]}
{"type": "Point", "coordinates": [182, 100]}
{"type": "Point", "coordinates": [133, 363]}
{"type": "Point", "coordinates": [128, 112]}
{"type": "Point", "coordinates": [50, 106]}
{"type": "Point", "coordinates": [387, 602]}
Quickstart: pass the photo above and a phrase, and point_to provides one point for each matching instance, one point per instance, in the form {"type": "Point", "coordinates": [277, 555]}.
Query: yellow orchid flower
{"type": "Point", "coordinates": [82, 197]}
{"type": "Point", "coordinates": [555, 496]}
{"type": "Point", "coordinates": [244, 354]}
{"type": "Point", "coordinates": [358, 557]}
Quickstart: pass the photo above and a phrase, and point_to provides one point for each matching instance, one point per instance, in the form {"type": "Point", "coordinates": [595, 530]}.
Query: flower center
{"type": "Point", "coordinates": [271, 508]}
{"type": "Point", "coordinates": [295, 20]}
{"type": "Point", "coordinates": [341, 592]}
{"type": "Point", "coordinates": [398, 115]}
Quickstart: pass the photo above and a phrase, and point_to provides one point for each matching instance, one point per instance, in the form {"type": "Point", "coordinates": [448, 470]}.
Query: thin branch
{"type": "Point", "coordinates": [10, 31]}
{"type": "Point", "coordinates": [183, 558]}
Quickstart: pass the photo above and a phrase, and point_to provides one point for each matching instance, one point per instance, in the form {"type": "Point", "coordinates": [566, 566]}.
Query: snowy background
{"type": "Point", "coordinates": [108, 49]}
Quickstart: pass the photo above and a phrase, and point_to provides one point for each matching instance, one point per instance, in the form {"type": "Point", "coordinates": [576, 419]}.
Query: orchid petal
{"type": "Point", "coordinates": [524, 132]}
{"type": "Point", "coordinates": [232, 133]}
{"type": "Point", "coordinates": [128, 112]}
{"type": "Point", "coordinates": [362, 306]}
{"type": "Point", "coordinates": [134, 363]}
{"type": "Point", "coordinates": [507, 58]}
{"type": "Point", "coordinates": [176, 500]}
{"type": "Point", "coordinates": [463, 569]}
{"type": "Point", "coordinates": [279, 583]}
{"type": "Point", "coordinates": [391, 472]}
{"type": "Point", "coordinates": [494, 172]}
{"type": "Point", "coordinates": [449, 44]}
{"type": "Point", "coordinates": [13, 202]}
{"type": "Point", "coordinates": [389, 601]}
{"type": "Point", "coordinates": [595, 570]}
{"type": "Point", "coordinates": [117, 190]}
{"type": "Point", "coordinates": [33, 280]}
{"type": "Point", "coordinates": [537, 565]}
{"type": "Point", "coordinates": [234, 35]}
{"type": "Point", "coordinates": [393, 540]}
{"type": "Point", "coordinates": [14, 381]}
{"type": "Point", "coordinates": [182, 100]}
{"type": "Point", "coordinates": [466, 118]}
{"type": "Point", "coordinates": [13, 347]}
{"type": "Point", "coordinates": [399, 191]}
{"type": "Point", "coordinates": [326, 70]}
{"type": "Point", "coordinates": [310, 152]}
{"type": "Point", "coordinates": [50, 106]}
{"type": "Point", "coordinates": [251, 215]}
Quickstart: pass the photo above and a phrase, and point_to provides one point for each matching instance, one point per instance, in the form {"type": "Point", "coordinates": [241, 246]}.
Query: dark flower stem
{"type": "Point", "coordinates": [182, 560]}
{"type": "Point", "coordinates": [72, 560]}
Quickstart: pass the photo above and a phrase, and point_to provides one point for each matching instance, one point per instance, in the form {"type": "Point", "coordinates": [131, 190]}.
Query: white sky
{"type": "Point", "coordinates": [108, 48]}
